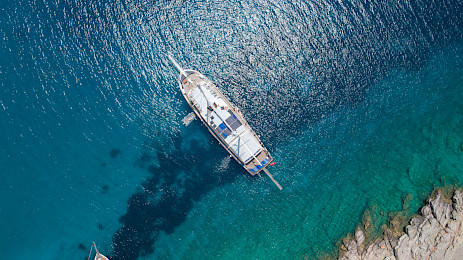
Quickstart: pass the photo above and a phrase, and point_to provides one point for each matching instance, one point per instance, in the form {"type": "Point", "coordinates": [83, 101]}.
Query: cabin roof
{"type": "Point", "coordinates": [221, 119]}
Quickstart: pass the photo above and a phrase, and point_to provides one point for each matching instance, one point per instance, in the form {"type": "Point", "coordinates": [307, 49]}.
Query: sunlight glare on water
{"type": "Point", "coordinates": [359, 102]}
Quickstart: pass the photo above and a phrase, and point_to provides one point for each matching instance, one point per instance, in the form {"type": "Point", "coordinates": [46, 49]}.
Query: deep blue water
{"type": "Point", "coordinates": [360, 104]}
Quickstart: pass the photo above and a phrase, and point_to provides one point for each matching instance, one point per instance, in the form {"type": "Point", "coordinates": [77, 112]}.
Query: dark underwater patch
{"type": "Point", "coordinates": [144, 160]}
{"type": "Point", "coordinates": [167, 197]}
{"type": "Point", "coordinates": [82, 247]}
{"type": "Point", "coordinates": [115, 153]}
{"type": "Point", "coordinates": [104, 189]}
{"type": "Point", "coordinates": [100, 226]}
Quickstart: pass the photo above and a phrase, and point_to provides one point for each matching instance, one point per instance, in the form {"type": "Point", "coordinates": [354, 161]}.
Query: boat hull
{"type": "Point", "coordinates": [224, 121]}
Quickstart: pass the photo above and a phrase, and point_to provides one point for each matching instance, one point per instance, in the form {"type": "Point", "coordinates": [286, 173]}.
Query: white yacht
{"type": "Point", "coordinates": [224, 121]}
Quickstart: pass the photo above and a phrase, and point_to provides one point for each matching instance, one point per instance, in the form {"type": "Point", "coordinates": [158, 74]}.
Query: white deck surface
{"type": "Point", "coordinates": [237, 136]}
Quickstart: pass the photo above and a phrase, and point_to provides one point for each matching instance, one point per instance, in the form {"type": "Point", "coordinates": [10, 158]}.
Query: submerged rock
{"type": "Point", "coordinates": [115, 153]}
{"type": "Point", "coordinates": [434, 234]}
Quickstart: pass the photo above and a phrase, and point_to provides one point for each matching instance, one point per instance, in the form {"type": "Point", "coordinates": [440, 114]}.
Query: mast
{"type": "Point", "coordinates": [180, 69]}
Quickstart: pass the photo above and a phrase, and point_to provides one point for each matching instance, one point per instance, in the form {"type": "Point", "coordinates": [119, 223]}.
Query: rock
{"type": "Point", "coordinates": [352, 252]}
{"type": "Point", "coordinates": [441, 247]}
{"type": "Point", "coordinates": [441, 210]}
{"type": "Point", "coordinates": [435, 234]}
{"type": "Point", "coordinates": [412, 229]}
{"type": "Point", "coordinates": [403, 250]}
{"type": "Point", "coordinates": [426, 211]}
{"type": "Point", "coordinates": [359, 237]}
{"type": "Point", "coordinates": [351, 246]}
{"type": "Point", "coordinates": [455, 253]}
{"type": "Point", "coordinates": [458, 201]}
{"type": "Point", "coordinates": [453, 226]}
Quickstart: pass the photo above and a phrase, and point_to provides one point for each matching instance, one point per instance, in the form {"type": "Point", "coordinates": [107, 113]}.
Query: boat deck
{"type": "Point", "coordinates": [224, 121]}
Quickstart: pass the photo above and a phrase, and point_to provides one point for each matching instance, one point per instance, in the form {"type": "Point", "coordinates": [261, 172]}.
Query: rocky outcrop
{"type": "Point", "coordinates": [434, 234]}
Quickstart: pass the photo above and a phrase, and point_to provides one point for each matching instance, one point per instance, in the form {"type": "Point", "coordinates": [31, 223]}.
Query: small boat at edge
{"type": "Point", "coordinates": [224, 121]}
{"type": "Point", "coordinates": [98, 256]}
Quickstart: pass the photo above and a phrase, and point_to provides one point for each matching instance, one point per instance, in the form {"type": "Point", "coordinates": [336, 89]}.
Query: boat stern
{"type": "Point", "coordinates": [257, 164]}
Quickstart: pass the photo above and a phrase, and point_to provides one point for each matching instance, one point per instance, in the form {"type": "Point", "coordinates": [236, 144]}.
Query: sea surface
{"type": "Point", "coordinates": [359, 102]}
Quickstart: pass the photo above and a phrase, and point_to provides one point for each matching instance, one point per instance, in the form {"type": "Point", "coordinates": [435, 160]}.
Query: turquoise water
{"type": "Point", "coordinates": [360, 104]}
{"type": "Point", "coordinates": [401, 140]}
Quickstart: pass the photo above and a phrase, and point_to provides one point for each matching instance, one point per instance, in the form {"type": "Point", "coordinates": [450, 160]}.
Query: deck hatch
{"type": "Point", "coordinates": [223, 130]}
{"type": "Point", "coordinates": [227, 131]}
{"type": "Point", "coordinates": [233, 122]}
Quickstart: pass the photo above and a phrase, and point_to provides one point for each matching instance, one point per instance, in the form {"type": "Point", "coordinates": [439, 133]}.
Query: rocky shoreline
{"type": "Point", "coordinates": [436, 233]}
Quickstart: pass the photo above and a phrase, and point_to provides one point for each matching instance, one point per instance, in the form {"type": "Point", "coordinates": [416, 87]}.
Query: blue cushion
{"type": "Point", "coordinates": [222, 126]}
{"type": "Point", "coordinates": [258, 167]}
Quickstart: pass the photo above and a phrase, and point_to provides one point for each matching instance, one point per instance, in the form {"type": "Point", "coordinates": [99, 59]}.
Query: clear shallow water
{"type": "Point", "coordinates": [360, 105]}
{"type": "Point", "coordinates": [399, 141]}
